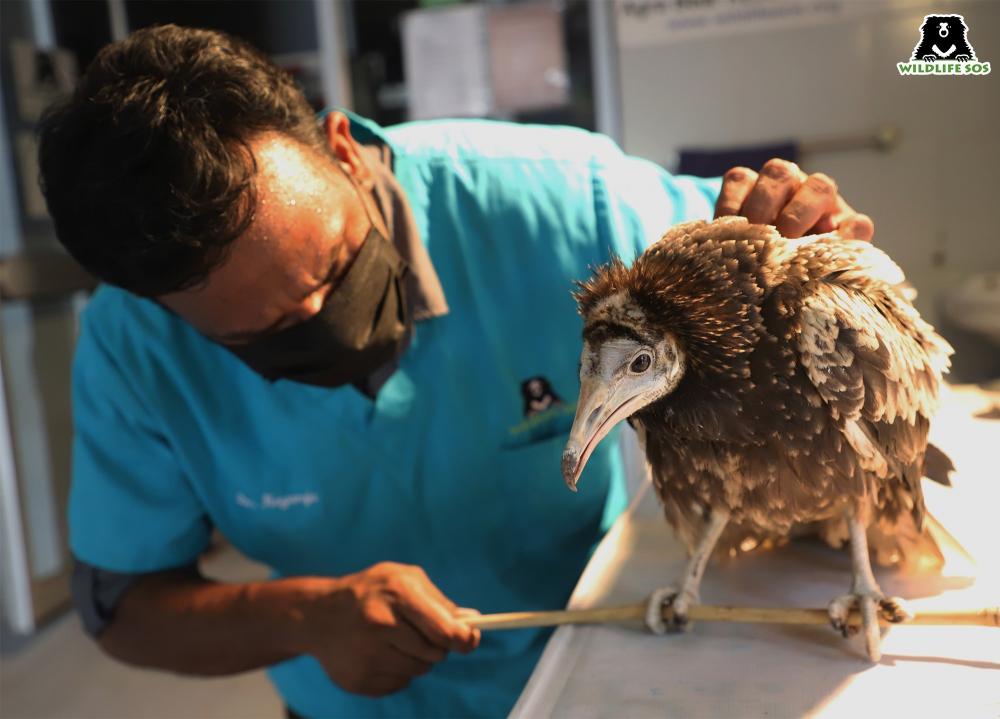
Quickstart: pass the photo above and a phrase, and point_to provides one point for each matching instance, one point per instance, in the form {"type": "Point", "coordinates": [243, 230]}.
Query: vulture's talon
{"type": "Point", "coordinates": [894, 610]}
{"type": "Point", "coordinates": [870, 604]}
{"type": "Point", "coordinates": [843, 629]}
{"type": "Point", "coordinates": [679, 602]}
{"type": "Point", "coordinates": [839, 610]}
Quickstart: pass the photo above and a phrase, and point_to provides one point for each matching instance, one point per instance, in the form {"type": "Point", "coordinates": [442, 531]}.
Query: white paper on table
{"type": "Point", "coordinates": [721, 669]}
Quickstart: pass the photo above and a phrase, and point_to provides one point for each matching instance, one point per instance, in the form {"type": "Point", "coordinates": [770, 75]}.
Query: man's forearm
{"type": "Point", "coordinates": [182, 622]}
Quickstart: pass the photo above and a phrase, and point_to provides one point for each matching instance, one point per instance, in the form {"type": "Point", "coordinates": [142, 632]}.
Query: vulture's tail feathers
{"type": "Point", "coordinates": [938, 465]}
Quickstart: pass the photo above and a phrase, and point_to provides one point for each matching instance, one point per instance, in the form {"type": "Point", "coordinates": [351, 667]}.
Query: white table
{"type": "Point", "coordinates": [740, 670]}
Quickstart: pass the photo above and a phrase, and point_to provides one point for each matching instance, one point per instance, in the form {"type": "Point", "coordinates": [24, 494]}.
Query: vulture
{"type": "Point", "coordinates": [778, 387]}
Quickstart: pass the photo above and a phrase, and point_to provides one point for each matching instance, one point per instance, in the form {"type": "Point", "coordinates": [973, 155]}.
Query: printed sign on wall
{"type": "Point", "coordinates": [645, 23]}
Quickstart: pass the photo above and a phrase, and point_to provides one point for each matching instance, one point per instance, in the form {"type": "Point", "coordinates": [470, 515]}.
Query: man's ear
{"type": "Point", "coordinates": [337, 132]}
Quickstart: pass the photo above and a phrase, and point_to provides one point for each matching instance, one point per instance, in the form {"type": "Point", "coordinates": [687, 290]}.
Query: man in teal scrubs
{"type": "Point", "coordinates": [345, 348]}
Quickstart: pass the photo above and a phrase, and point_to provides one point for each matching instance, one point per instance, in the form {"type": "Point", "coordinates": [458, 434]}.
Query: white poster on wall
{"type": "Point", "coordinates": [645, 23]}
{"type": "Point", "coordinates": [446, 56]}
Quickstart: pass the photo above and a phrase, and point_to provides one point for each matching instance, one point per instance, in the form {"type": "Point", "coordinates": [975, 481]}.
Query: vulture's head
{"type": "Point", "coordinates": [686, 310]}
{"type": "Point", "coordinates": [628, 362]}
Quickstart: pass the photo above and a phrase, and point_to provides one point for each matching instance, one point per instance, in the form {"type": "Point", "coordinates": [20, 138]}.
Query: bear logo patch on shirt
{"type": "Point", "coordinates": [545, 415]}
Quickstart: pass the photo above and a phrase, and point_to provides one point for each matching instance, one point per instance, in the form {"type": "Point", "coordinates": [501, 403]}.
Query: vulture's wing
{"type": "Point", "coordinates": [863, 346]}
{"type": "Point", "coordinates": [870, 356]}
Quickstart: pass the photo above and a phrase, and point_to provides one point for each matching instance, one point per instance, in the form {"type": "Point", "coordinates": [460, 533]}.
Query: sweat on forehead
{"type": "Point", "coordinates": [289, 169]}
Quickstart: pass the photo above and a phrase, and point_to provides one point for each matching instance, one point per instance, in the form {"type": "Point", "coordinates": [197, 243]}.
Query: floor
{"type": "Point", "coordinates": [60, 673]}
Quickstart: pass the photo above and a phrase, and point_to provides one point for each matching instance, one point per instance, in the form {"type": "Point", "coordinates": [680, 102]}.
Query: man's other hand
{"type": "Point", "coordinates": [375, 631]}
{"type": "Point", "coordinates": [795, 203]}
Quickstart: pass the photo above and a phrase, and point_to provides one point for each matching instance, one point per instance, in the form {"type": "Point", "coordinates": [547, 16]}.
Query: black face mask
{"type": "Point", "coordinates": [363, 325]}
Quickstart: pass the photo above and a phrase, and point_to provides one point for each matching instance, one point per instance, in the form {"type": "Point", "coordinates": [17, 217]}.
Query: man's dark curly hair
{"type": "Point", "coordinates": [147, 169]}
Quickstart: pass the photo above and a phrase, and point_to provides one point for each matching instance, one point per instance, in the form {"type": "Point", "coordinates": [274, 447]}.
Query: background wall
{"type": "Point", "coordinates": [933, 198]}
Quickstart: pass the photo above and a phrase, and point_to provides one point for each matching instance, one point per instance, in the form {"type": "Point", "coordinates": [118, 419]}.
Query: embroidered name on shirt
{"type": "Point", "coordinates": [281, 502]}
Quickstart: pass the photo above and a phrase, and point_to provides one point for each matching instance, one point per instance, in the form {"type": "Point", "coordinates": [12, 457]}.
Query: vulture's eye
{"type": "Point", "coordinates": [641, 363]}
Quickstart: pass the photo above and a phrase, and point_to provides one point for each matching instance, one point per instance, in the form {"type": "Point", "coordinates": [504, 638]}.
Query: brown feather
{"type": "Point", "coordinates": [809, 387]}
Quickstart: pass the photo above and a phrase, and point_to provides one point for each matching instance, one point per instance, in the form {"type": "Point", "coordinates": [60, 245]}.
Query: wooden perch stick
{"type": "Point", "coordinates": [988, 617]}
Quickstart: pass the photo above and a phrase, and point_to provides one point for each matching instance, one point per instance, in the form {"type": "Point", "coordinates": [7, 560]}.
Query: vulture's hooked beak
{"type": "Point", "coordinates": [598, 410]}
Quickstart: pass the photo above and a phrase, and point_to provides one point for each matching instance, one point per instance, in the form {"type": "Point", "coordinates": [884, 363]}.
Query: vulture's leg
{"type": "Point", "coordinates": [681, 599]}
{"type": "Point", "coordinates": [865, 594]}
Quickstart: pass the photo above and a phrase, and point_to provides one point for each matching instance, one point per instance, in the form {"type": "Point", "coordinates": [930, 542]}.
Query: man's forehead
{"type": "Point", "coordinates": [289, 172]}
{"type": "Point", "coordinates": [296, 195]}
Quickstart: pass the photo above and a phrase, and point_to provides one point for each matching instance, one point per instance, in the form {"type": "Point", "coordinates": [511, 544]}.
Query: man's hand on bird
{"type": "Point", "coordinates": [797, 204]}
{"type": "Point", "coordinates": [375, 631]}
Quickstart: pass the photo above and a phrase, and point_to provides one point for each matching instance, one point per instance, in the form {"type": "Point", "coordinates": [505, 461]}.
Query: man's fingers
{"type": "Point", "coordinates": [779, 180]}
{"type": "Point", "coordinates": [466, 614]}
{"type": "Point", "coordinates": [782, 195]}
{"type": "Point", "coordinates": [736, 185]}
{"type": "Point", "coordinates": [409, 641]}
{"type": "Point", "coordinates": [394, 662]}
{"type": "Point", "coordinates": [470, 640]}
{"type": "Point", "coordinates": [825, 223]}
{"type": "Point", "coordinates": [436, 622]}
{"type": "Point", "coordinates": [816, 197]}
{"type": "Point", "coordinates": [437, 595]}
{"type": "Point", "coordinates": [857, 227]}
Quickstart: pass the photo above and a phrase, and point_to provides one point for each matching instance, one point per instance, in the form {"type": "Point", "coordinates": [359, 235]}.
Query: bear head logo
{"type": "Point", "coordinates": [944, 37]}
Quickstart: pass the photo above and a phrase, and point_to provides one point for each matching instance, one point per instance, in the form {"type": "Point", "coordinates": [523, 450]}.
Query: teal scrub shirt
{"type": "Point", "coordinates": [174, 435]}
